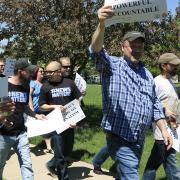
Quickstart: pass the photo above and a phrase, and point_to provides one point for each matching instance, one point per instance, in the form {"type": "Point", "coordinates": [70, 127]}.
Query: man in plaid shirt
{"type": "Point", "coordinates": [129, 99]}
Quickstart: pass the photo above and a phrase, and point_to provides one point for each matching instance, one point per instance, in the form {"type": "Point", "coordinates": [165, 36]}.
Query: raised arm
{"type": "Point", "coordinates": [98, 37]}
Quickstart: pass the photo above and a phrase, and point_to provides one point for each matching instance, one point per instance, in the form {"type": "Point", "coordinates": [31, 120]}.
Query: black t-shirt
{"type": "Point", "coordinates": [2, 75]}
{"type": "Point", "coordinates": [20, 95]}
{"type": "Point", "coordinates": [59, 93]}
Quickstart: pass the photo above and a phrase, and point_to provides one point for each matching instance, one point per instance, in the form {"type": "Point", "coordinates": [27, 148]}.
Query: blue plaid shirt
{"type": "Point", "coordinates": [129, 100]}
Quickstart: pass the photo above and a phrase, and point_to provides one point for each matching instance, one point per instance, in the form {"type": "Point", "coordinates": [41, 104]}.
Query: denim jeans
{"type": "Point", "coordinates": [62, 146]}
{"type": "Point", "coordinates": [20, 145]}
{"type": "Point", "coordinates": [100, 157]}
{"type": "Point", "coordinates": [159, 155]}
{"type": "Point", "coordinates": [126, 156]}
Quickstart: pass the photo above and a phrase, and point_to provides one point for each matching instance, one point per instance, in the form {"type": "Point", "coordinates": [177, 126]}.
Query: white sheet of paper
{"type": "Point", "coordinates": [128, 11]}
{"type": "Point", "coordinates": [9, 67]}
{"type": "Point", "coordinates": [4, 87]}
{"type": "Point", "coordinates": [176, 138]}
{"type": "Point", "coordinates": [80, 83]}
{"type": "Point", "coordinates": [72, 115]}
{"type": "Point", "coordinates": [39, 127]}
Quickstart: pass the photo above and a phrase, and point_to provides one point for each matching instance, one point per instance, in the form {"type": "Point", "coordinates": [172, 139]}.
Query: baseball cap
{"type": "Point", "coordinates": [23, 64]}
{"type": "Point", "coordinates": [169, 58]}
{"type": "Point", "coordinates": [133, 35]}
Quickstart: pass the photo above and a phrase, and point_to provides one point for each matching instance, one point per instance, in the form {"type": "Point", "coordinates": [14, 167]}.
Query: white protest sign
{"type": "Point", "coordinates": [128, 11]}
{"type": "Point", "coordinates": [38, 127]}
{"type": "Point", "coordinates": [80, 83]}
{"type": "Point", "coordinates": [4, 87]}
{"type": "Point", "coordinates": [9, 67]}
{"type": "Point", "coordinates": [175, 133]}
{"type": "Point", "coordinates": [72, 115]}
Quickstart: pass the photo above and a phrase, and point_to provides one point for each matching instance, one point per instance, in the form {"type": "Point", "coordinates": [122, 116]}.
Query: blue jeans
{"type": "Point", "coordinates": [20, 145]}
{"type": "Point", "coordinates": [159, 155]}
{"type": "Point", "coordinates": [62, 146]}
{"type": "Point", "coordinates": [100, 157]}
{"type": "Point", "coordinates": [126, 156]}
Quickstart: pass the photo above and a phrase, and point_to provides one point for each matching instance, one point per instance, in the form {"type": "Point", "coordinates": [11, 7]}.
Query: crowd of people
{"type": "Point", "coordinates": [132, 101]}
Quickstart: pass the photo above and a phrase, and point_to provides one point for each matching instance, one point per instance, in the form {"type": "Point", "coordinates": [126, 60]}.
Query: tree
{"type": "Point", "coordinates": [45, 30]}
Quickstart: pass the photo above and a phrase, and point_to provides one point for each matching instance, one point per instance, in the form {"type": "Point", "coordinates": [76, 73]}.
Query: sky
{"type": "Point", "coordinates": [171, 6]}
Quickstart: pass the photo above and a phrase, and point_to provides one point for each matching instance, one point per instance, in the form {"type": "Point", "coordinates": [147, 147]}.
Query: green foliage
{"type": "Point", "coordinates": [45, 30]}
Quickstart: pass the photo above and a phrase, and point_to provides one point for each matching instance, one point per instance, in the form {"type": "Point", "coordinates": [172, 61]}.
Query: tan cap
{"type": "Point", "coordinates": [133, 35]}
{"type": "Point", "coordinates": [169, 58]}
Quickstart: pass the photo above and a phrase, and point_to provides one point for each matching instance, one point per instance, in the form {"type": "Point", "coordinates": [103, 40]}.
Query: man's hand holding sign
{"type": "Point", "coordinates": [128, 11]}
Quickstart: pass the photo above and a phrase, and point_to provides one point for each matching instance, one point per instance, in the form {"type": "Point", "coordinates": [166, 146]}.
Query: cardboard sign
{"type": "Point", "coordinates": [72, 115]}
{"type": "Point", "coordinates": [128, 11]}
{"type": "Point", "coordinates": [9, 67]}
{"type": "Point", "coordinates": [37, 127]}
{"type": "Point", "coordinates": [80, 83]}
{"type": "Point", "coordinates": [56, 120]}
{"type": "Point", "coordinates": [175, 133]}
{"type": "Point", "coordinates": [4, 87]}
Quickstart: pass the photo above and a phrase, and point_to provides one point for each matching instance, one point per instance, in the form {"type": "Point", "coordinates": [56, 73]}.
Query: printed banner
{"type": "Point", "coordinates": [128, 11]}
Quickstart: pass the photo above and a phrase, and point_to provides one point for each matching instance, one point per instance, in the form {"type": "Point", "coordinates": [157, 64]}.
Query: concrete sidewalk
{"type": "Point", "coordinates": [78, 170]}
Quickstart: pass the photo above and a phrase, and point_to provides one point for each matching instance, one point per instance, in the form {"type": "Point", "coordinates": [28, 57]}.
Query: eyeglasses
{"type": "Point", "coordinates": [51, 72]}
{"type": "Point", "coordinates": [2, 65]}
{"type": "Point", "coordinates": [66, 67]}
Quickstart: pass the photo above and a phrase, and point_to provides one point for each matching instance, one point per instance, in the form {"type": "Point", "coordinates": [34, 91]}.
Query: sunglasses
{"type": "Point", "coordinates": [66, 67]}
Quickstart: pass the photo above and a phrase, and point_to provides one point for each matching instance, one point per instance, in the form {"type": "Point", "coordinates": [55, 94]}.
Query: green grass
{"type": "Point", "coordinates": [89, 136]}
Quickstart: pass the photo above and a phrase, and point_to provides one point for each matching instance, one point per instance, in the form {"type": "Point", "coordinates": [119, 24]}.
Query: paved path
{"type": "Point", "coordinates": [78, 170]}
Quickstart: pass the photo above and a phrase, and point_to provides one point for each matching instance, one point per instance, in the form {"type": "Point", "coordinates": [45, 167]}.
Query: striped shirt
{"type": "Point", "coordinates": [129, 100]}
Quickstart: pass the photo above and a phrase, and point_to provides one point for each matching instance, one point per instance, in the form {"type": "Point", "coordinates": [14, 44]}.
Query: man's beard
{"type": "Point", "coordinates": [23, 79]}
{"type": "Point", "coordinates": [66, 74]}
{"type": "Point", "coordinates": [55, 78]}
{"type": "Point", "coordinates": [172, 73]}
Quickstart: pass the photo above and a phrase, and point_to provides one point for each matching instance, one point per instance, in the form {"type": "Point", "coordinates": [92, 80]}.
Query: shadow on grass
{"type": "Point", "coordinates": [93, 116]}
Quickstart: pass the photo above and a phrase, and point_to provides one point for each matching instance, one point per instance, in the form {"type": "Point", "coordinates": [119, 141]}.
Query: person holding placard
{"type": "Point", "coordinates": [56, 93]}
{"type": "Point", "coordinates": [166, 92]}
{"type": "Point", "coordinates": [14, 135]}
{"type": "Point", "coordinates": [67, 73]}
{"type": "Point", "coordinates": [37, 76]}
{"type": "Point", "coordinates": [81, 85]}
{"type": "Point", "coordinates": [129, 99]}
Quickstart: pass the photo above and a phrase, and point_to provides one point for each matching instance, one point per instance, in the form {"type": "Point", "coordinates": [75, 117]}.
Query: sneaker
{"type": "Point", "coordinates": [52, 171]}
{"type": "Point", "coordinates": [97, 170]}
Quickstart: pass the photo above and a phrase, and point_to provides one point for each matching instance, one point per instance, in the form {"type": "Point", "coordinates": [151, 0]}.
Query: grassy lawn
{"type": "Point", "coordinates": [89, 137]}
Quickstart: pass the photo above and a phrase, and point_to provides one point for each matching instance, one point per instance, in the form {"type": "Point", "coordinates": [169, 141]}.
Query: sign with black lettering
{"type": "Point", "coordinates": [9, 67]}
{"type": "Point", "coordinates": [128, 11]}
{"type": "Point", "coordinates": [72, 114]}
{"type": "Point", "coordinates": [175, 134]}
